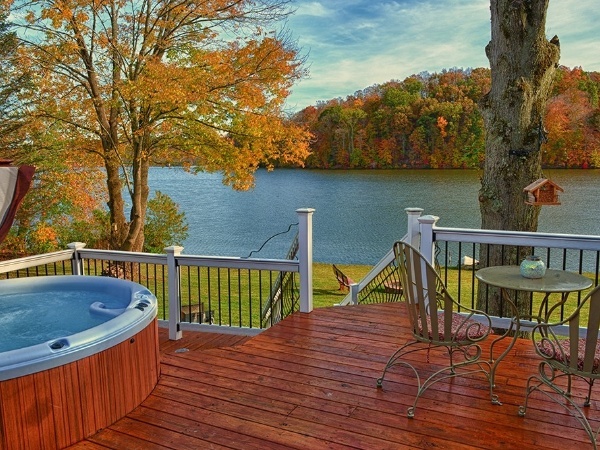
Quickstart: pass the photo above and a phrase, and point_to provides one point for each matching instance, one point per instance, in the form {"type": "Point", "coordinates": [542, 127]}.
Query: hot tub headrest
{"type": "Point", "coordinates": [101, 309]}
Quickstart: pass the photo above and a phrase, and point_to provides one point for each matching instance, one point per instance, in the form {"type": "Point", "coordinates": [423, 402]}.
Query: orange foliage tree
{"type": "Point", "coordinates": [132, 84]}
{"type": "Point", "coordinates": [62, 197]}
{"type": "Point", "coordinates": [427, 120]}
{"type": "Point", "coordinates": [571, 120]}
{"type": "Point", "coordinates": [433, 120]}
{"type": "Point", "coordinates": [65, 203]}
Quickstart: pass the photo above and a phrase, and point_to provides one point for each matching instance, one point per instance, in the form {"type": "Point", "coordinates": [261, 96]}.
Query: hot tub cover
{"type": "Point", "coordinates": [14, 184]}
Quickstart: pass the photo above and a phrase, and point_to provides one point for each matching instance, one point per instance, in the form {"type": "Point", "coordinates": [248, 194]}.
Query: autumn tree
{"type": "Point", "coordinates": [396, 114]}
{"type": "Point", "coordinates": [523, 63]}
{"type": "Point", "coordinates": [570, 120]}
{"type": "Point", "coordinates": [333, 135]}
{"type": "Point", "coordinates": [13, 81]}
{"type": "Point", "coordinates": [427, 120]}
{"type": "Point", "coordinates": [350, 118]}
{"type": "Point", "coordinates": [170, 81]}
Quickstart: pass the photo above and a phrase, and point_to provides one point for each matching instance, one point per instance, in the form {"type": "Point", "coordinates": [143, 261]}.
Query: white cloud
{"type": "Point", "coordinates": [355, 44]}
{"type": "Point", "coordinates": [315, 9]}
{"type": "Point", "coordinates": [575, 22]}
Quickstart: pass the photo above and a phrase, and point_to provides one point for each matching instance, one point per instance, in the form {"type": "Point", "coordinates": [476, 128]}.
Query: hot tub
{"type": "Point", "coordinates": [62, 380]}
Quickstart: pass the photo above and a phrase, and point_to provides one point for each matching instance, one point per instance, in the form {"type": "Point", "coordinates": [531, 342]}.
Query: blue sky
{"type": "Point", "coordinates": [353, 44]}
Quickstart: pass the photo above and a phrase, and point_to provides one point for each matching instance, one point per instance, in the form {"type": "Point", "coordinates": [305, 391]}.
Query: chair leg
{"type": "Point", "coordinates": [451, 358]}
{"type": "Point", "coordinates": [530, 388]}
{"type": "Point", "coordinates": [588, 399]}
{"type": "Point", "coordinates": [442, 374]}
{"type": "Point", "coordinates": [395, 359]}
{"type": "Point", "coordinates": [563, 398]}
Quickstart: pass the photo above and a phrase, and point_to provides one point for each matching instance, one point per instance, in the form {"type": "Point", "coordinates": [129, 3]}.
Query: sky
{"type": "Point", "coordinates": [353, 44]}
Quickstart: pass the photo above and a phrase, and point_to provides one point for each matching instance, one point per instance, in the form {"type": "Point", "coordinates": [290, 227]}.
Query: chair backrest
{"type": "Point", "coordinates": [586, 317]}
{"type": "Point", "coordinates": [341, 277]}
{"type": "Point", "coordinates": [425, 295]}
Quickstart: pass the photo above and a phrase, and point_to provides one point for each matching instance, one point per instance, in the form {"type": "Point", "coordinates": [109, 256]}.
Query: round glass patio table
{"type": "Point", "coordinates": [509, 278]}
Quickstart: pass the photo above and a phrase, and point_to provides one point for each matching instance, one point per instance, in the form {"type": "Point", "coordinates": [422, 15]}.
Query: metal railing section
{"type": "Point", "coordinates": [235, 292]}
{"type": "Point", "coordinates": [457, 253]}
{"type": "Point", "coordinates": [384, 287]}
{"type": "Point", "coordinates": [380, 285]}
{"type": "Point", "coordinates": [284, 299]}
{"type": "Point", "coordinates": [460, 252]}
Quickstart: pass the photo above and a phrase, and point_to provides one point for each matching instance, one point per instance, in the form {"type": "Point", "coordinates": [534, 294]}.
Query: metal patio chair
{"type": "Point", "coordinates": [436, 322]}
{"type": "Point", "coordinates": [563, 358]}
{"type": "Point", "coordinates": [343, 280]}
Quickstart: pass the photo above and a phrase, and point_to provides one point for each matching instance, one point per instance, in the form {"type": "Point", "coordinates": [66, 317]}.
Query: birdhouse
{"type": "Point", "coordinates": [542, 192]}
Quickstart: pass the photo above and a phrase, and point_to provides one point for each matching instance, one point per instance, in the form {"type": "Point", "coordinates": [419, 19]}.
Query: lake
{"type": "Point", "coordinates": [358, 214]}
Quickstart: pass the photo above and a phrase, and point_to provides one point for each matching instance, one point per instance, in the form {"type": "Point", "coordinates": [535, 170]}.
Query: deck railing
{"type": "Point", "coordinates": [245, 295]}
{"type": "Point", "coordinates": [450, 246]}
{"type": "Point", "coordinates": [458, 252]}
{"type": "Point", "coordinates": [240, 295]}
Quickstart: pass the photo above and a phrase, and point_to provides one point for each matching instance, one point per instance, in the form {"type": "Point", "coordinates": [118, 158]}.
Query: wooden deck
{"type": "Point", "coordinates": [309, 383]}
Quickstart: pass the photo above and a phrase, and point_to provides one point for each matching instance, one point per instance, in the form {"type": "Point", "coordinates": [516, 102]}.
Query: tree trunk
{"type": "Point", "coordinates": [522, 63]}
{"type": "Point", "coordinates": [116, 204]}
{"type": "Point", "coordinates": [139, 202]}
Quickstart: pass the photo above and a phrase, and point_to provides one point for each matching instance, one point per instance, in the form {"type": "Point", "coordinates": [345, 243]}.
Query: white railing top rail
{"type": "Point", "coordinates": [283, 265]}
{"type": "Point", "coordinates": [230, 262]}
{"type": "Point", "coordinates": [121, 256]}
{"type": "Point", "coordinates": [518, 238]}
{"type": "Point", "coordinates": [34, 261]}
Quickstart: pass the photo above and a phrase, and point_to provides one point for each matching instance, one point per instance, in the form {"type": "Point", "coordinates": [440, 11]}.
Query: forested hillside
{"type": "Point", "coordinates": [432, 120]}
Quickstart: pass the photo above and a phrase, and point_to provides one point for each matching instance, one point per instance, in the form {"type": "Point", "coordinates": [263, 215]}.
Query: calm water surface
{"type": "Point", "coordinates": [359, 214]}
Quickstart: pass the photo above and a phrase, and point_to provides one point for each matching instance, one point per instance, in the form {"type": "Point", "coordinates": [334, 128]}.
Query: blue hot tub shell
{"type": "Point", "coordinates": [137, 308]}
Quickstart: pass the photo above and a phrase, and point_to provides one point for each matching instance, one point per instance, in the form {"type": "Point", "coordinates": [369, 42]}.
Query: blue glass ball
{"type": "Point", "coordinates": [533, 267]}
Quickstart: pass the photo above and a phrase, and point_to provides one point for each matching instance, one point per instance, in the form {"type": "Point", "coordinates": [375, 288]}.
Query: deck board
{"type": "Point", "coordinates": [310, 383]}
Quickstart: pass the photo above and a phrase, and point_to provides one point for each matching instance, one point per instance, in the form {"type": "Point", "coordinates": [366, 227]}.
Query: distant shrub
{"type": "Point", "coordinates": [165, 225]}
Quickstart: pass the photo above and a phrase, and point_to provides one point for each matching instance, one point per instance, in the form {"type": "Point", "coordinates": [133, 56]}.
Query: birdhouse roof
{"type": "Point", "coordinates": [537, 184]}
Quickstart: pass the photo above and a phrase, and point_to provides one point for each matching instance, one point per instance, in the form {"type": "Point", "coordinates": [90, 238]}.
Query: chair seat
{"type": "Point", "coordinates": [462, 329]}
{"type": "Point", "coordinates": [564, 356]}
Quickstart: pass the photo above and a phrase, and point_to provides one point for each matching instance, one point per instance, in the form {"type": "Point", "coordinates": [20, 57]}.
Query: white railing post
{"type": "Point", "coordinates": [413, 230]}
{"type": "Point", "coordinates": [354, 290]}
{"type": "Point", "coordinates": [174, 299]}
{"type": "Point", "coordinates": [427, 248]}
{"type": "Point", "coordinates": [75, 262]}
{"type": "Point", "coordinates": [305, 258]}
